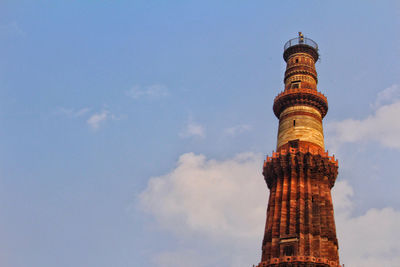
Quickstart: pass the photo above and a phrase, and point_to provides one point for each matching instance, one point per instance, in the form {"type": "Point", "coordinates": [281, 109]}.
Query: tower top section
{"type": "Point", "coordinates": [300, 44]}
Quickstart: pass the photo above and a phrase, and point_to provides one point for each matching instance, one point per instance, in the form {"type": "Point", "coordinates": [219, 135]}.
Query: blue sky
{"type": "Point", "coordinates": [132, 133]}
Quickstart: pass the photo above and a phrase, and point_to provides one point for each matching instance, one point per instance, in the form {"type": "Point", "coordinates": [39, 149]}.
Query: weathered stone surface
{"type": "Point", "coordinates": [300, 122]}
{"type": "Point", "coordinates": [300, 212]}
{"type": "Point", "coordinates": [300, 226]}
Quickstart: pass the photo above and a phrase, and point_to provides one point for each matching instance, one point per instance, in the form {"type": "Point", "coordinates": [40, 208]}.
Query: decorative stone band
{"type": "Point", "coordinates": [300, 48]}
{"type": "Point", "coordinates": [307, 70]}
{"type": "Point", "coordinates": [296, 113]}
{"type": "Point", "coordinates": [301, 77]}
{"type": "Point", "coordinates": [300, 96]}
{"type": "Point", "coordinates": [305, 158]}
{"type": "Point", "coordinates": [303, 146]}
{"type": "Point", "coordinates": [302, 123]}
{"type": "Point", "coordinates": [299, 261]}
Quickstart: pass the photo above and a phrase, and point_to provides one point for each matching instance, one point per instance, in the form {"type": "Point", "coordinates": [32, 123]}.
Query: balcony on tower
{"type": "Point", "coordinates": [300, 54]}
{"type": "Point", "coordinates": [301, 41]}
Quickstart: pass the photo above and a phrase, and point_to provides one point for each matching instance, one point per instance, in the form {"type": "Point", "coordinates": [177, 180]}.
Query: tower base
{"type": "Point", "coordinates": [298, 261]}
{"type": "Point", "coordinates": [300, 228]}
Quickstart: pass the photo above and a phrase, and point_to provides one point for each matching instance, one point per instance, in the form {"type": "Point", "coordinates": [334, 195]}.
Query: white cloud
{"type": "Point", "coordinates": [93, 119]}
{"type": "Point", "coordinates": [387, 96]}
{"type": "Point", "coordinates": [73, 113]}
{"type": "Point", "coordinates": [223, 203]}
{"type": "Point", "coordinates": [99, 118]}
{"type": "Point", "coordinates": [342, 193]}
{"type": "Point", "coordinates": [371, 239]}
{"type": "Point", "coordinates": [193, 129]}
{"type": "Point", "coordinates": [237, 129]}
{"type": "Point", "coordinates": [368, 240]}
{"type": "Point", "coordinates": [155, 90]}
{"type": "Point", "coordinates": [209, 196]}
{"type": "Point", "coordinates": [383, 126]}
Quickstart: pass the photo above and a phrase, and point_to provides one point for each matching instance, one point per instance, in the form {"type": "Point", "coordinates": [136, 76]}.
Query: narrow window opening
{"type": "Point", "coordinates": [288, 250]}
{"type": "Point", "coordinates": [294, 143]}
{"type": "Point", "coordinates": [297, 60]}
{"type": "Point", "coordinates": [294, 123]}
{"type": "Point", "coordinates": [295, 84]}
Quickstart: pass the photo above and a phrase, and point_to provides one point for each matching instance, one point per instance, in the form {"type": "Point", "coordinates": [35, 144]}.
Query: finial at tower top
{"type": "Point", "coordinates": [301, 36]}
{"type": "Point", "coordinates": [302, 44]}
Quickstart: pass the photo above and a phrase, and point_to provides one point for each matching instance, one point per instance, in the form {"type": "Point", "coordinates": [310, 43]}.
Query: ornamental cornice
{"type": "Point", "coordinates": [282, 261]}
{"type": "Point", "coordinates": [295, 71]}
{"type": "Point", "coordinates": [301, 48]}
{"type": "Point", "coordinates": [300, 96]}
{"type": "Point", "coordinates": [311, 159]}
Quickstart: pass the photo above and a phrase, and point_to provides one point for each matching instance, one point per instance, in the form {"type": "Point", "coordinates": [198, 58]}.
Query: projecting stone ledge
{"type": "Point", "coordinates": [300, 161]}
{"type": "Point", "coordinates": [300, 96]}
{"type": "Point", "coordinates": [299, 261]}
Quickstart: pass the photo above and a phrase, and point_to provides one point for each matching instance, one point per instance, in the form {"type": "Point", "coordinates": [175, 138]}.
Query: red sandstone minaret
{"type": "Point", "coordinates": [300, 227]}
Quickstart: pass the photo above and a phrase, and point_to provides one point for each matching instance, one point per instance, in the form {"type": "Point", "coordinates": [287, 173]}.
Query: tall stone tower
{"type": "Point", "coordinates": [300, 227]}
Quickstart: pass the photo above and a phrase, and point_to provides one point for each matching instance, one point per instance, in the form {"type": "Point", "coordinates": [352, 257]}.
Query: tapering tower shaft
{"type": "Point", "coordinates": [300, 226]}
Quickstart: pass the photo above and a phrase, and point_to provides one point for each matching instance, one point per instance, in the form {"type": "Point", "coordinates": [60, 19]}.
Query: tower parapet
{"type": "Point", "coordinates": [300, 226]}
{"type": "Point", "coordinates": [300, 42]}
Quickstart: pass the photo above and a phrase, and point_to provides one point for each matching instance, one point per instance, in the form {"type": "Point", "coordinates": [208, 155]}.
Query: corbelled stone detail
{"type": "Point", "coordinates": [300, 48]}
{"type": "Point", "coordinates": [300, 97]}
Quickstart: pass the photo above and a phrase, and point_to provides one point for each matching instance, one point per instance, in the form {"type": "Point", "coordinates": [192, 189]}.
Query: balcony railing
{"type": "Point", "coordinates": [301, 41]}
